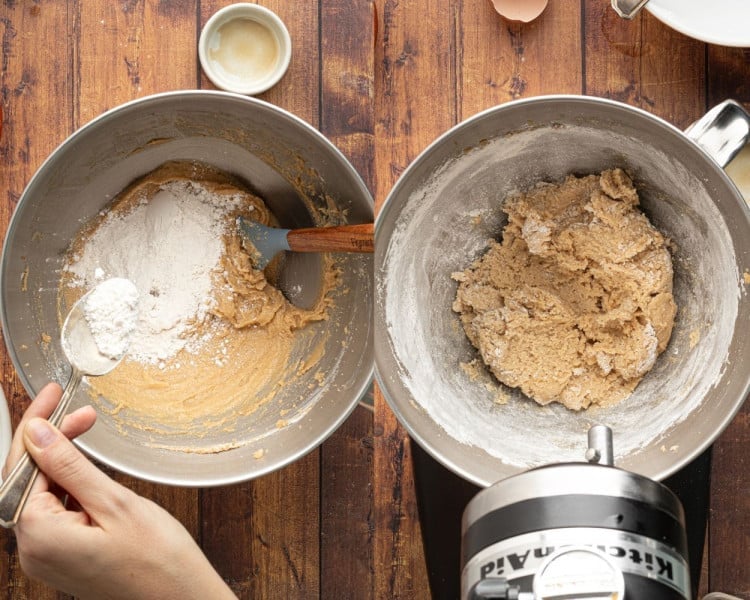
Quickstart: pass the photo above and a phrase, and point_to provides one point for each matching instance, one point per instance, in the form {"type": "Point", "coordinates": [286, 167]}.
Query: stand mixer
{"type": "Point", "coordinates": [576, 531]}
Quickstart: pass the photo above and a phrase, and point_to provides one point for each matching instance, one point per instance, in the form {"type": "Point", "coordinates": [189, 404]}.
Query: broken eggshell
{"type": "Point", "coordinates": [520, 11]}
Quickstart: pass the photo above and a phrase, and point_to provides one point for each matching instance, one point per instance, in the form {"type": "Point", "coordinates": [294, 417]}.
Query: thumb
{"type": "Point", "coordinates": [64, 464]}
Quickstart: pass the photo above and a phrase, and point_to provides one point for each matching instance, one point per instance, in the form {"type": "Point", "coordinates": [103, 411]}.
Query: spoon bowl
{"type": "Point", "coordinates": [79, 344]}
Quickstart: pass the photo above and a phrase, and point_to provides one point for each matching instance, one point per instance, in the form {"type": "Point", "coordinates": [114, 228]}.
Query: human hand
{"type": "Point", "coordinates": [108, 542]}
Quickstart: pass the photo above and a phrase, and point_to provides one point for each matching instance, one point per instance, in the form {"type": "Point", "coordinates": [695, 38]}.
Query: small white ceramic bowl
{"type": "Point", "coordinates": [245, 48]}
{"type": "Point", "coordinates": [5, 429]}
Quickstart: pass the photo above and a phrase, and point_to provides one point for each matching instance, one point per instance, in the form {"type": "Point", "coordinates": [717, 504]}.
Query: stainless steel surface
{"type": "Point", "coordinates": [665, 574]}
{"type": "Point", "coordinates": [288, 163]}
{"type": "Point", "coordinates": [600, 448]}
{"type": "Point", "coordinates": [722, 132]}
{"type": "Point", "coordinates": [579, 572]}
{"type": "Point", "coordinates": [628, 9]}
{"type": "Point", "coordinates": [437, 220]}
{"type": "Point", "coordinates": [571, 478]}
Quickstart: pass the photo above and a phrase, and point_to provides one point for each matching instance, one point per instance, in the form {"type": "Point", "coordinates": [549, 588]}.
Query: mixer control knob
{"type": "Point", "coordinates": [496, 588]}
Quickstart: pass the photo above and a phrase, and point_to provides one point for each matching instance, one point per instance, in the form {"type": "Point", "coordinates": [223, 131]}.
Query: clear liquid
{"type": "Point", "coordinates": [245, 50]}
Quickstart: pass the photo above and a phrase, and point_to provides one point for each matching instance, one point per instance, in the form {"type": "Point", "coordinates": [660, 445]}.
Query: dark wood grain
{"type": "Point", "coordinates": [729, 529]}
{"type": "Point", "coordinates": [414, 103]}
{"type": "Point", "coordinates": [343, 238]}
{"type": "Point", "coordinates": [347, 119]}
{"type": "Point", "coordinates": [500, 61]}
{"type": "Point", "coordinates": [37, 97]}
{"type": "Point", "coordinates": [728, 74]}
{"type": "Point", "coordinates": [644, 63]}
{"type": "Point", "coordinates": [729, 525]}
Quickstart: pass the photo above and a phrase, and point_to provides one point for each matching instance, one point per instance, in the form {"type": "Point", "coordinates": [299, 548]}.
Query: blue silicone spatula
{"type": "Point", "coordinates": [269, 241]}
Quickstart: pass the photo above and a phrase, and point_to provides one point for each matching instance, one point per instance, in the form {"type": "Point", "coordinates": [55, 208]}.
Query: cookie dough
{"type": "Point", "coordinates": [575, 303]}
{"type": "Point", "coordinates": [250, 342]}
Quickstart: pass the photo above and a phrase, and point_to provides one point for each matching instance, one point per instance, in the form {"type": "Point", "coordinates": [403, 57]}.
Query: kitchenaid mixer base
{"type": "Point", "coordinates": [440, 516]}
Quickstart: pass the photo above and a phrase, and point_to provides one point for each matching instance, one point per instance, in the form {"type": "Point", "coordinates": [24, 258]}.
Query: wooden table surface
{"type": "Point", "coordinates": [381, 80]}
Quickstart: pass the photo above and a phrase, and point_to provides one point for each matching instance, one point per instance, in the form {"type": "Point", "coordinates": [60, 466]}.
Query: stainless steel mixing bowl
{"type": "Point", "coordinates": [438, 219]}
{"type": "Point", "coordinates": [292, 166]}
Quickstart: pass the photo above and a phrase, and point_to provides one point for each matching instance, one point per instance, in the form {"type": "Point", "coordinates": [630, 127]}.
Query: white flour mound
{"type": "Point", "coordinates": [168, 246]}
{"type": "Point", "coordinates": [111, 312]}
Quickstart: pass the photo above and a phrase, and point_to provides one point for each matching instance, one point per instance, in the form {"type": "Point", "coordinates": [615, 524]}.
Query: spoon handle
{"type": "Point", "coordinates": [15, 489]}
{"type": "Point", "coordinates": [343, 238]}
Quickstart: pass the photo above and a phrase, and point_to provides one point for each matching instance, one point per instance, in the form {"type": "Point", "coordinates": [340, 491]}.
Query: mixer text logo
{"type": "Point", "coordinates": [509, 564]}
{"type": "Point", "coordinates": [524, 555]}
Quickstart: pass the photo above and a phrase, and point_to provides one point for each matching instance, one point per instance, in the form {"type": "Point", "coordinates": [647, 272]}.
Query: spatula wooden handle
{"type": "Point", "coordinates": [344, 238]}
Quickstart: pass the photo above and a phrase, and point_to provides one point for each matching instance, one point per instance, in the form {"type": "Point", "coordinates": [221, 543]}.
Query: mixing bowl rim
{"type": "Point", "coordinates": [389, 210]}
{"type": "Point", "coordinates": [543, 99]}
{"type": "Point", "coordinates": [145, 102]}
{"type": "Point", "coordinates": [222, 481]}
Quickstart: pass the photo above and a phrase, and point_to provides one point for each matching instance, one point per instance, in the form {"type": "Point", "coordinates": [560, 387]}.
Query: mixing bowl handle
{"type": "Point", "coordinates": [722, 131]}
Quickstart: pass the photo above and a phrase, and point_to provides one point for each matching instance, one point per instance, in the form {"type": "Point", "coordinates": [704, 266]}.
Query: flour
{"type": "Point", "coordinates": [168, 245]}
{"type": "Point", "coordinates": [111, 312]}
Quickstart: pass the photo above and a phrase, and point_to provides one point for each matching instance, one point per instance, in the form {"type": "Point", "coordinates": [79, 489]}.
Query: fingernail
{"type": "Point", "coordinates": [40, 432]}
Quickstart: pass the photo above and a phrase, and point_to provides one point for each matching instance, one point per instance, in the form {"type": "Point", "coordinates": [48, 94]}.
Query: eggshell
{"type": "Point", "coordinates": [520, 11]}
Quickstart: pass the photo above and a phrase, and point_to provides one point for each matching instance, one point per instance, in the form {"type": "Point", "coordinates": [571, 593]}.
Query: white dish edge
{"type": "Point", "coordinates": [5, 429]}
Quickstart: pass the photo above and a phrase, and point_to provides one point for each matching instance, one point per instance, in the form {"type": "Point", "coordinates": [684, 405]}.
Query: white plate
{"type": "Point", "coordinates": [723, 22]}
{"type": "Point", "coordinates": [5, 431]}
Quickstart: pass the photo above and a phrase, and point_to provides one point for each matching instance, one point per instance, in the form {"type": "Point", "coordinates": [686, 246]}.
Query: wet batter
{"type": "Point", "coordinates": [233, 356]}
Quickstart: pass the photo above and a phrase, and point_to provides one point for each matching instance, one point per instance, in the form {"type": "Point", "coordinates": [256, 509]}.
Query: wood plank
{"type": "Point", "coordinates": [37, 106]}
{"type": "Point", "coordinates": [346, 528]}
{"type": "Point", "coordinates": [263, 536]}
{"type": "Point", "coordinates": [347, 75]}
{"type": "Point", "coordinates": [347, 119]}
{"type": "Point", "coordinates": [126, 50]}
{"type": "Point", "coordinates": [498, 61]}
{"type": "Point", "coordinates": [672, 74]}
{"type": "Point", "coordinates": [729, 528]}
{"type": "Point", "coordinates": [414, 103]}
{"type": "Point", "coordinates": [728, 70]}
{"type": "Point", "coordinates": [643, 63]}
{"type": "Point", "coordinates": [729, 525]}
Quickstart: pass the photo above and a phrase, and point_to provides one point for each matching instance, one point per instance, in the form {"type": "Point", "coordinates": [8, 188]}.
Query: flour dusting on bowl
{"type": "Point", "coordinates": [441, 215]}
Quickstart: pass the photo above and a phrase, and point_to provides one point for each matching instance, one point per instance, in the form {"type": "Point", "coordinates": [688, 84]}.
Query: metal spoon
{"type": "Point", "coordinates": [80, 349]}
{"type": "Point", "coordinates": [628, 9]}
